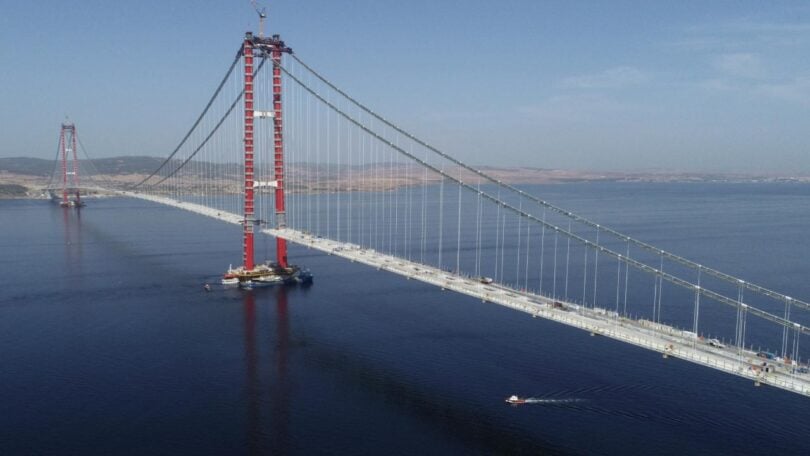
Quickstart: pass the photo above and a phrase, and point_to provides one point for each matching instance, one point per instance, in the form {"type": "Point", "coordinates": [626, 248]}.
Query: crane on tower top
{"type": "Point", "coordinates": [262, 12]}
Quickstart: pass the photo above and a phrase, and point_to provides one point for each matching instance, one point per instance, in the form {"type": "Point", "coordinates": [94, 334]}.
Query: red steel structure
{"type": "Point", "coordinates": [247, 55]}
{"type": "Point", "coordinates": [67, 146]}
{"type": "Point", "coordinates": [274, 47]}
{"type": "Point", "coordinates": [278, 162]}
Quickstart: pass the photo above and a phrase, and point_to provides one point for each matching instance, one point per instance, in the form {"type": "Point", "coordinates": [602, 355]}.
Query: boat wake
{"type": "Point", "coordinates": [539, 400]}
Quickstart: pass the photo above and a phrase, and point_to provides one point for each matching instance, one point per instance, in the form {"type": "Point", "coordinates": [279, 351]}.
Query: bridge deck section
{"type": "Point", "coordinates": [667, 340]}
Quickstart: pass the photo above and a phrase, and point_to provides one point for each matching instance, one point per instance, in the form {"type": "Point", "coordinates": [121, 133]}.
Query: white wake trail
{"type": "Point", "coordinates": [538, 400]}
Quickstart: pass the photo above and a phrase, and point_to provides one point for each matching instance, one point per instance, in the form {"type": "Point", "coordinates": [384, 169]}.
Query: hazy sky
{"type": "Point", "coordinates": [692, 85]}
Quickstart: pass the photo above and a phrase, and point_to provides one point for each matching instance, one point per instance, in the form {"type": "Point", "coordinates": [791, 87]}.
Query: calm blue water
{"type": "Point", "coordinates": [109, 345]}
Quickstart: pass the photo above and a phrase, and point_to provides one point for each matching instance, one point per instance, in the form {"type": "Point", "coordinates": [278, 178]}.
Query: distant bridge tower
{"type": "Point", "coordinates": [70, 179]}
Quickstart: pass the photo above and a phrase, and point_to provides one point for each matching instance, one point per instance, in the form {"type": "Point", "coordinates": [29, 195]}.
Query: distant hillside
{"type": "Point", "coordinates": [12, 191]}
{"type": "Point", "coordinates": [127, 165]}
{"type": "Point", "coordinates": [34, 172]}
{"type": "Point", "coordinates": [27, 166]}
{"type": "Point", "coordinates": [115, 165]}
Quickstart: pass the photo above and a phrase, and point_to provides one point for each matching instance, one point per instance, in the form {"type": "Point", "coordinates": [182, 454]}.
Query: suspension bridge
{"type": "Point", "coordinates": [71, 184]}
{"type": "Point", "coordinates": [279, 149]}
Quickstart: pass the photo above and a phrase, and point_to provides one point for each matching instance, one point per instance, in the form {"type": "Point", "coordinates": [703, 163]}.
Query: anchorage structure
{"type": "Point", "coordinates": [67, 146]}
{"type": "Point", "coordinates": [250, 274]}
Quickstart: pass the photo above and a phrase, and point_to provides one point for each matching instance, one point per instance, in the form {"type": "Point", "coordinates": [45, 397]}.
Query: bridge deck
{"type": "Point", "coordinates": [658, 337]}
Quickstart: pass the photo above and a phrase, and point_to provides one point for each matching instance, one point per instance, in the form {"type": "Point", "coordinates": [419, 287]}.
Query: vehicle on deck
{"type": "Point", "coordinates": [715, 343]}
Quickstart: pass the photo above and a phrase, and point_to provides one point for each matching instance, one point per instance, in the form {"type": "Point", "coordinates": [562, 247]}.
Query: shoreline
{"type": "Point", "coordinates": [37, 194]}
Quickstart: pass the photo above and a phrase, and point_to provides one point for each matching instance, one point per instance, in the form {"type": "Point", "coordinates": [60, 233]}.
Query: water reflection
{"type": "Point", "coordinates": [72, 227]}
{"type": "Point", "coordinates": [278, 385]}
{"type": "Point", "coordinates": [252, 376]}
{"type": "Point", "coordinates": [280, 394]}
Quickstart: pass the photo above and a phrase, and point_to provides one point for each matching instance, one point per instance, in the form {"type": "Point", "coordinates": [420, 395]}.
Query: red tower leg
{"type": "Point", "coordinates": [247, 53]}
{"type": "Point", "coordinates": [281, 222]}
{"type": "Point", "coordinates": [63, 150]}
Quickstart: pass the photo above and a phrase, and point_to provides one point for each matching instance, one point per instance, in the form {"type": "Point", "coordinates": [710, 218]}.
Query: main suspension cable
{"type": "Point", "coordinates": [586, 242]}
{"type": "Point", "coordinates": [199, 119]}
{"type": "Point", "coordinates": [671, 256]}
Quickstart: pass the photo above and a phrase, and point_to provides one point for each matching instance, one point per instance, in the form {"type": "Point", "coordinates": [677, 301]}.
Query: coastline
{"type": "Point", "coordinates": [19, 179]}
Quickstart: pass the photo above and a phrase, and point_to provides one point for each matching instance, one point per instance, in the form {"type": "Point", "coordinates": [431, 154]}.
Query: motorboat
{"type": "Point", "coordinates": [514, 400]}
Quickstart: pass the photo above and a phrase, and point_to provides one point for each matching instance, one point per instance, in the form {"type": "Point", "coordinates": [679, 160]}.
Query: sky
{"type": "Point", "coordinates": [720, 86]}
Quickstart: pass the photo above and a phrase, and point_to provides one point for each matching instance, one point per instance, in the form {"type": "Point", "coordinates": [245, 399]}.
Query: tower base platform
{"type": "Point", "coordinates": [265, 275]}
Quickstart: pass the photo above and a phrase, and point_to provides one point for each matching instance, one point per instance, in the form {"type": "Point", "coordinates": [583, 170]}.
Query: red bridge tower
{"type": "Point", "coordinates": [250, 274]}
{"type": "Point", "coordinates": [67, 146]}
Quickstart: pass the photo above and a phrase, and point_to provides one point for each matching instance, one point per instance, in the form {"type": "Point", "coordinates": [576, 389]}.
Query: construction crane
{"type": "Point", "coordinates": [262, 16]}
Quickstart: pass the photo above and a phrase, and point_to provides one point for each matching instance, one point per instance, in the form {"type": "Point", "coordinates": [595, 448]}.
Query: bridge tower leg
{"type": "Point", "coordinates": [278, 165]}
{"type": "Point", "coordinates": [63, 151]}
{"type": "Point", "coordinates": [75, 165]}
{"type": "Point", "coordinates": [247, 55]}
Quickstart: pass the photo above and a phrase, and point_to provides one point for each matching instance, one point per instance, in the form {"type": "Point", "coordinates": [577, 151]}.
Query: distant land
{"type": "Point", "coordinates": [25, 177]}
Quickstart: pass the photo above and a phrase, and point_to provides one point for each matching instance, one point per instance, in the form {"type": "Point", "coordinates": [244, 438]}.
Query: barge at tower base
{"type": "Point", "coordinates": [268, 274]}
